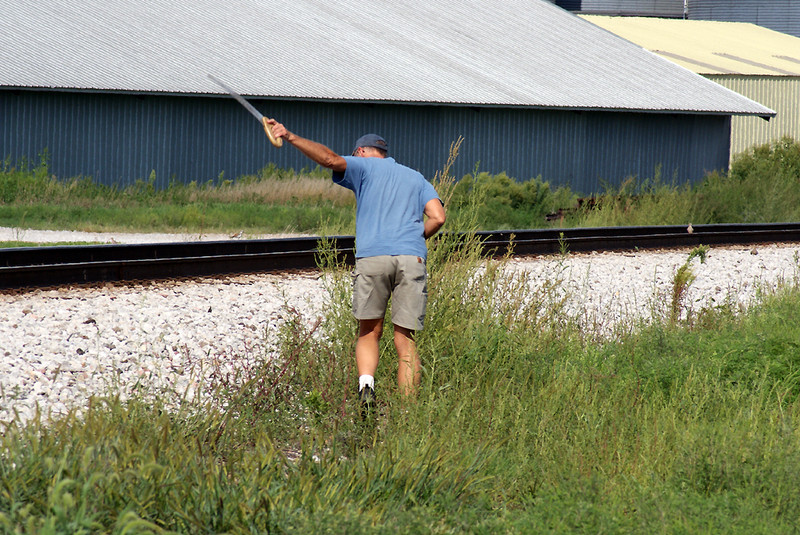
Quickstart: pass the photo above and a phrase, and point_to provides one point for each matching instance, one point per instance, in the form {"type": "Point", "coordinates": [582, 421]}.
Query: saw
{"type": "Point", "coordinates": [278, 142]}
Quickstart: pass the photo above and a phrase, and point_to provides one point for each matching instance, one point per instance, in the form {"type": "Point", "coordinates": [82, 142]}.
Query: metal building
{"type": "Point", "coordinates": [118, 90]}
{"type": "Point", "coordinates": [759, 63]}
{"type": "Point", "coordinates": [779, 15]}
{"type": "Point", "coordinates": [630, 8]}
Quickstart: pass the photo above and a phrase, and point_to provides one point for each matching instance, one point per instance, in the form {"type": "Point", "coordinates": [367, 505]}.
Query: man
{"type": "Point", "coordinates": [391, 200]}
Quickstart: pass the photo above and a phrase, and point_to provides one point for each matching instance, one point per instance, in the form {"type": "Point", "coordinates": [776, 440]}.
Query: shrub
{"type": "Point", "coordinates": [509, 203]}
{"type": "Point", "coordinates": [763, 185]}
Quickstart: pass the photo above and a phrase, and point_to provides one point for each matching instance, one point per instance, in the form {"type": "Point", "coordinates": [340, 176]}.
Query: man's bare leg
{"type": "Point", "coordinates": [367, 346]}
{"type": "Point", "coordinates": [408, 365]}
{"type": "Point", "coordinates": [367, 356]}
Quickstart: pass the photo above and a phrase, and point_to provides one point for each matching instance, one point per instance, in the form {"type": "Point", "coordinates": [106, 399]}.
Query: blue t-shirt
{"type": "Point", "coordinates": [390, 202]}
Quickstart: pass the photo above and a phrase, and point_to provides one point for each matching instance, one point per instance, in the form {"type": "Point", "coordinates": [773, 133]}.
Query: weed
{"type": "Point", "coordinates": [701, 251]}
{"type": "Point", "coordinates": [681, 281]}
{"type": "Point", "coordinates": [563, 245]}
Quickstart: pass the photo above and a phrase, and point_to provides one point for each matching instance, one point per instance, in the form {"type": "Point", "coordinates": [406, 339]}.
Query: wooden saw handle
{"type": "Point", "coordinates": [278, 142]}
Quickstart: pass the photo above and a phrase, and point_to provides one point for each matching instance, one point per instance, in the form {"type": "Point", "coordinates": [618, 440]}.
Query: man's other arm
{"type": "Point", "coordinates": [434, 210]}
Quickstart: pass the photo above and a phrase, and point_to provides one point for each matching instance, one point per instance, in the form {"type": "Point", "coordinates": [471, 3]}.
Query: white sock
{"type": "Point", "coordinates": [366, 380]}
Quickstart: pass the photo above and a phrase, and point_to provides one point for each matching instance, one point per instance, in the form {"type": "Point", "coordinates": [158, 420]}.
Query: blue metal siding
{"type": "Point", "coordinates": [119, 138]}
{"type": "Point", "coordinates": [779, 15]}
{"type": "Point", "coordinates": [584, 150]}
{"type": "Point", "coordinates": [646, 8]}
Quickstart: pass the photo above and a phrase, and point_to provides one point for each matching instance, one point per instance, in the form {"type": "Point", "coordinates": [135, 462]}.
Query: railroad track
{"type": "Point", "coordinates": [32, 267]}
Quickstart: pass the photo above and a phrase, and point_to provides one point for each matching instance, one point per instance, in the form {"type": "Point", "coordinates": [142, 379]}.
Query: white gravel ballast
{"type": "Point", "coordinates": [60, 346]}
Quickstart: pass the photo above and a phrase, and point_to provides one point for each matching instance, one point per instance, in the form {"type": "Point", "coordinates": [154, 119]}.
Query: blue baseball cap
{"type": "Point", "coordinates": [371, 140]}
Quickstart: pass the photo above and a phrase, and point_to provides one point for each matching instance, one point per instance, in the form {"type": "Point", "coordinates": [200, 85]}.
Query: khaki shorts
{"type": "Point", "coordinates": [404, 278]}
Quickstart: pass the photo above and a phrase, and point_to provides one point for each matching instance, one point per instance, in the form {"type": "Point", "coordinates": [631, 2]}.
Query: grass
{"type": "Point", "coordinates": [524, 423]}
{"type": "Point", "coordinates": [763, 185]}
{"type": "Point", "coordinates": [273, 201]}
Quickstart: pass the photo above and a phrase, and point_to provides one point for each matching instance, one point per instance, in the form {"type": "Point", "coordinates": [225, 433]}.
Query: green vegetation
{"type": "Point", "coordinates": [525, 423]}
{"type": "Point", "coordinates": [763, 185]}
{"type": "Point", "coordinates": [520, 427]}
{"type": "Point", "coordinates": [272, 201]}
{"type": "Point", "coordinates": [509, 204]}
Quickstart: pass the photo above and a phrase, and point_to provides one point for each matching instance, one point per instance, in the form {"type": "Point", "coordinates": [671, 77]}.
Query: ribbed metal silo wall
{"type": "Point", "coordinates": [779, 15]}
{"type": "Point", "coordinates": [651, 8]}
{"type": "Point", "coordinates": [120, 138]}
{"type": "Point", "coordinates": [780, 93]}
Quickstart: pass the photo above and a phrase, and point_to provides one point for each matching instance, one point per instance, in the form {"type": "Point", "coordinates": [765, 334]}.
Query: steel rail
{"type": "Point", "coordinates": [32, 267]}
{"type": "Point", "coordinates": [644, 237]}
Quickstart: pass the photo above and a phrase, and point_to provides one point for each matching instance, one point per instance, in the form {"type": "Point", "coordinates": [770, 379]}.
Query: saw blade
{"type": "Point", "coordinates": [249, 107]}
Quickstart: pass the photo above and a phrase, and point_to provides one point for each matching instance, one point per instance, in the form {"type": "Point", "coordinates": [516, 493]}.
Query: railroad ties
{"type": "Point", "coordinates": [30, 267]}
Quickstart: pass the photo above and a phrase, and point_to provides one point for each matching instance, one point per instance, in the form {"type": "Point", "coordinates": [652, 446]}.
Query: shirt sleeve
{"type": "Point", "coordinates": [352, 176]}
{"type": "Point", "coordinates": [428, 193]}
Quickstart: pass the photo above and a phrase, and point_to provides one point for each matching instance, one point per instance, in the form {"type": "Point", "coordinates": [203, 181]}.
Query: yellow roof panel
{"type": "Point", "coordinates": [710, 47]}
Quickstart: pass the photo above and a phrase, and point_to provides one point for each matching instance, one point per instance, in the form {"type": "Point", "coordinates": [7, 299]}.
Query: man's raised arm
{"type": "Point", "coordinates": [316, 152]}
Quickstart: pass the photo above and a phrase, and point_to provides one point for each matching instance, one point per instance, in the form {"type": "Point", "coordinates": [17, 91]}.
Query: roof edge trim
{"type": "Point", "coordinates": [771, 113]}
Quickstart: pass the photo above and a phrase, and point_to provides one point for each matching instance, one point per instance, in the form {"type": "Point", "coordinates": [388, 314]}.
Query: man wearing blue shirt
{"type": "Point", "coordinates": [391, 200]}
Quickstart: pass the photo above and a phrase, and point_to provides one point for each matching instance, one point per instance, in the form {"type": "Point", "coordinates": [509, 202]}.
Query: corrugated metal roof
{"type": "Point", "coordinates": [710, 47]}
{"type": "Point", "coordinates": [514, 53]}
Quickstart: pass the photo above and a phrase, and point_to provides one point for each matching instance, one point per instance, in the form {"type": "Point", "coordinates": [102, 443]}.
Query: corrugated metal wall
{"type": "Point", "coordinates": [781, 93]}
{"type": "Point", "coordinates": [779, 15]}
{"type": "Point", "coordinates": [120, 138]}
{"type": "Point", "coordinates": [571, 5]}
{"type": "Point", "coordinates": [645, 8]}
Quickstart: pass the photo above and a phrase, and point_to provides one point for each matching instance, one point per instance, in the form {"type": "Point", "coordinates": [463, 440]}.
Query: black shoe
{"type": "Point", "coordinates": [366, 396]}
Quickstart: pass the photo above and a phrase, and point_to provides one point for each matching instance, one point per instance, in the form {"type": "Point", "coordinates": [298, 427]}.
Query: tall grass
{"type": "Point", "coordinates": [763, 185]}
{"type": "Point", "coordinates": [274, 200]}
{"type": "Point", "coordinates": [31, 184]}
{"type": "Point", "coordinates": [523, 424]}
